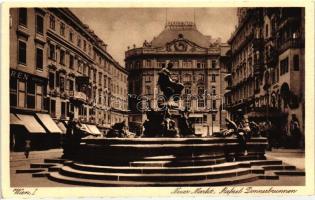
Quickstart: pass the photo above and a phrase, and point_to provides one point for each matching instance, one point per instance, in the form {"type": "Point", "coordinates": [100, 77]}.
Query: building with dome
{"type": "Point", "coordinates": [196, 64]}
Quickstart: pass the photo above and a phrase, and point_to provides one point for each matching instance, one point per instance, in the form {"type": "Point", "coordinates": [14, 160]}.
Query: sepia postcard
{"type": "Point", "coordinates": [157, 99]}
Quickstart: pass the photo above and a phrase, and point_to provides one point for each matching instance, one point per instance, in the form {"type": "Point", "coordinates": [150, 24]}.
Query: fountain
{"type": "Point", "coordinates": [167, 154]}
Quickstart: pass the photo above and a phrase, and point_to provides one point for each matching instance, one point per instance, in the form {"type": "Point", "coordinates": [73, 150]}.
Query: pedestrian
{"type": "Point", "coordinates": [27, 146]}
{"type": "Point", "coordinates": [269, 134]}
{"type": "Point", "coordinates": [295, 131]}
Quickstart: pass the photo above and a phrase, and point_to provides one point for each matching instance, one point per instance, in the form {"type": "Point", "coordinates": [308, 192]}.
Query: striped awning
{"type": "Point", "coordinates": [94, 129]}
{"type": "Point", "coordinates": [49, 123]}
{"type": "Point", "coordinates": [31, 124]}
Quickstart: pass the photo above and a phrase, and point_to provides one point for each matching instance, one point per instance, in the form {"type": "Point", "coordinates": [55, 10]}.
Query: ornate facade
{"type": "Point", "coordinates": [266, 70]}
{"type": "Point", "coordinates": [59, 65]}
{"type": "Point", "coordinates": [196, 64]}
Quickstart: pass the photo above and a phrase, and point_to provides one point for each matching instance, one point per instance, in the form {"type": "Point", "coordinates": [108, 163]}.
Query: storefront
{"type": "Point", "coordinates": [29, 118]}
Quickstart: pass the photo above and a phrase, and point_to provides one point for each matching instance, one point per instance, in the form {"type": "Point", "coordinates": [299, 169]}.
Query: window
{"type": "Point", "coordinates": [105, 81]}
{"type": "Point", "coordinates": [187, 64]}
{"type": "Point", "coordinates": [198, 65]}
{"type": "Point", "coordinates": [214, 64]}
{"type": "Point", "coordinates": [23, 16]}
{"type": "Point", "coordinates": [52, 22]}
{"type": "Point", "coordinates": [51, 80]}
{"type": "Point", "coordinates": [79, 42]}
{"type": "Point", "coordinates": [201, 99]}
{"type": "Point", "coordinates": [161, 64]}
{"type": "Point", "coordinates": [39, 59]}
{"type": "Point", "coordinates": [62, 29]}
{"type": "Point", "coordinates": [200, 77]}
{"type": "Point", "coordinates": [284, 66]}
{"type": "Point", "coordinates": [296, 63]}
{"type": "Point", "coordinates": [71, 61]}
{"type": "Point", "coordinates": [147, 90]}
{"type": "Point", "coordinates": [13, 92]}
{"type": "Point", "coordinates": [71, 86]}
{"type": "Point", "coordinates": [52, 52]}
{"type": "Point", "coordinates": [148, 63]}
{"type": "Point", "coordinates": [213, 92]}
{"type": "Point", "coordinates": [213, 117]}
{"type": "Point", "coordinates": [71, 36]}
{"type": "Point", "coordinates": [214, 104]}
{"type": "Point", "coordinates": [100, 78]}
{"type": "Point", "coordinates": [53, 108]}
{"type": "Point", "coordinates": [187, 78]}
{"type": "Point", "coordinates": [213, 78]}
{"type": "Point", "coordinates": [22, 52]}
{"type": "Point", "coordinates": [62, 84]}
{"type": "Point", "coordinates": [100, 96]}
{"type": "Point", "coordinates": [94, 76]}
{"type": "Point", "coordinates": [90, 49]}
{"type": "Point", "coordinates": [80, 66]}
{"type": "Point", "coordinates": [187, 90]}
{"type": "Point", "coordinates": [30, 95]}
{"type": "Point", "coordinates": [63, 109]}
{"type": "Point", "coordinates": [39, 97]}
{"type": "Point", "coordinates": [62, 57]}
{"type": "Point", "coordinates": [21, 95]}
{"type": "Point", "coordinates": [39, 24]}
{"type": "Point", "coordinates": [84, 45]}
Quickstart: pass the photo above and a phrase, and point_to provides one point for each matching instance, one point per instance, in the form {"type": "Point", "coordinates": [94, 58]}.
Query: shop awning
{"type": "Point", "coordinates": [31, 124]}
{"type": "Point", "coordinates": [15, 120]}
{"type": "Point", "coordinates": [49, 123]}
{"type": "Point", "coordinates": [62, 127]}
{"type": "Point", "coordinates": [94, 129]}
{"type": "Point", "coordinates": [85, 128]}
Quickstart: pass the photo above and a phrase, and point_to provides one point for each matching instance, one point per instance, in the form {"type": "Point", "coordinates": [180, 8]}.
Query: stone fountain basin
{"type": "Point", "coordinates": [121, 151]}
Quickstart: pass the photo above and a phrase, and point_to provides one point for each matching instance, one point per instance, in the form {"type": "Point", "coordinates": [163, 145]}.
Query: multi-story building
{"type": "Point", "coordinates": [266, 73]}
{"type": "Point", "coordinates": [59, 65]}
{"type": "Point", "coordinates": [196, 64]}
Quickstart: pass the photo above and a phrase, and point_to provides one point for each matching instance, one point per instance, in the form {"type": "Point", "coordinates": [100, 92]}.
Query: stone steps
{"type": "Point", "coordinates": [32, 170]}
{"type": "Point", "coordinates": [113, 183]}
{"type": "Point", "coordinates": [171, 169]}
{"type": "Point", "coordinates": [175, 163]}
{"type": "Point", "coordinates": [180, 157]}
{"type": "Point", "coordinates": [279, 167]}
{"type": "Point", "coordinates": [160, 177]}
{"type": "Point", "coordinates": [42, 165]}
{"type": "Point", "coordinates": [290, 173]}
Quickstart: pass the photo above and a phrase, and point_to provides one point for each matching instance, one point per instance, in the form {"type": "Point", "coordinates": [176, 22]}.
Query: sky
{"type": "Point", "coordinates": [123, 27]}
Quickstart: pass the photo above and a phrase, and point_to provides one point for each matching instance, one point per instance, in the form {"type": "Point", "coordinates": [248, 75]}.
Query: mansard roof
{"type": "Point", "coordinates": [188, 30]}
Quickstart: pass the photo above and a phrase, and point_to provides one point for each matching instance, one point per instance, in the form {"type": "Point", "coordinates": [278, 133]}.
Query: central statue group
{"type": "Point", "coordinates": [161, 123]}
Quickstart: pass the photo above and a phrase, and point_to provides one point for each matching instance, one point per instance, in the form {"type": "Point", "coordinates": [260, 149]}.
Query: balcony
{"type": "Point", "coordinates": [292, 43]}
{"type": "Point", "coordinates": [77, 97]}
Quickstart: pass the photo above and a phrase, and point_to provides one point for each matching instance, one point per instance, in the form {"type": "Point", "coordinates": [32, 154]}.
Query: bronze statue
{"type": "Point", "coordinates": [168, 86]}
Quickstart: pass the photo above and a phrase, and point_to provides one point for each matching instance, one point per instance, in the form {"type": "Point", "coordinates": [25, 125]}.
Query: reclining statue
{"type": "Point", "coordinates": [117, 130]}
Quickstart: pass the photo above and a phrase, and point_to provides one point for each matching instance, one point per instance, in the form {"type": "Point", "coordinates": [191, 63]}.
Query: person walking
{"type": "Point", "coordinates": [295, 131]}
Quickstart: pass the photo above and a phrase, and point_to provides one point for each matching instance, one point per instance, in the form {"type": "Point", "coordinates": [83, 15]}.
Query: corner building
{"type": "Point", "coordinates": [59, 65]}
{"type": "Point", "coordinates": [266, 72]}
{"type": "Point", "coordinates": [196, 64]}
